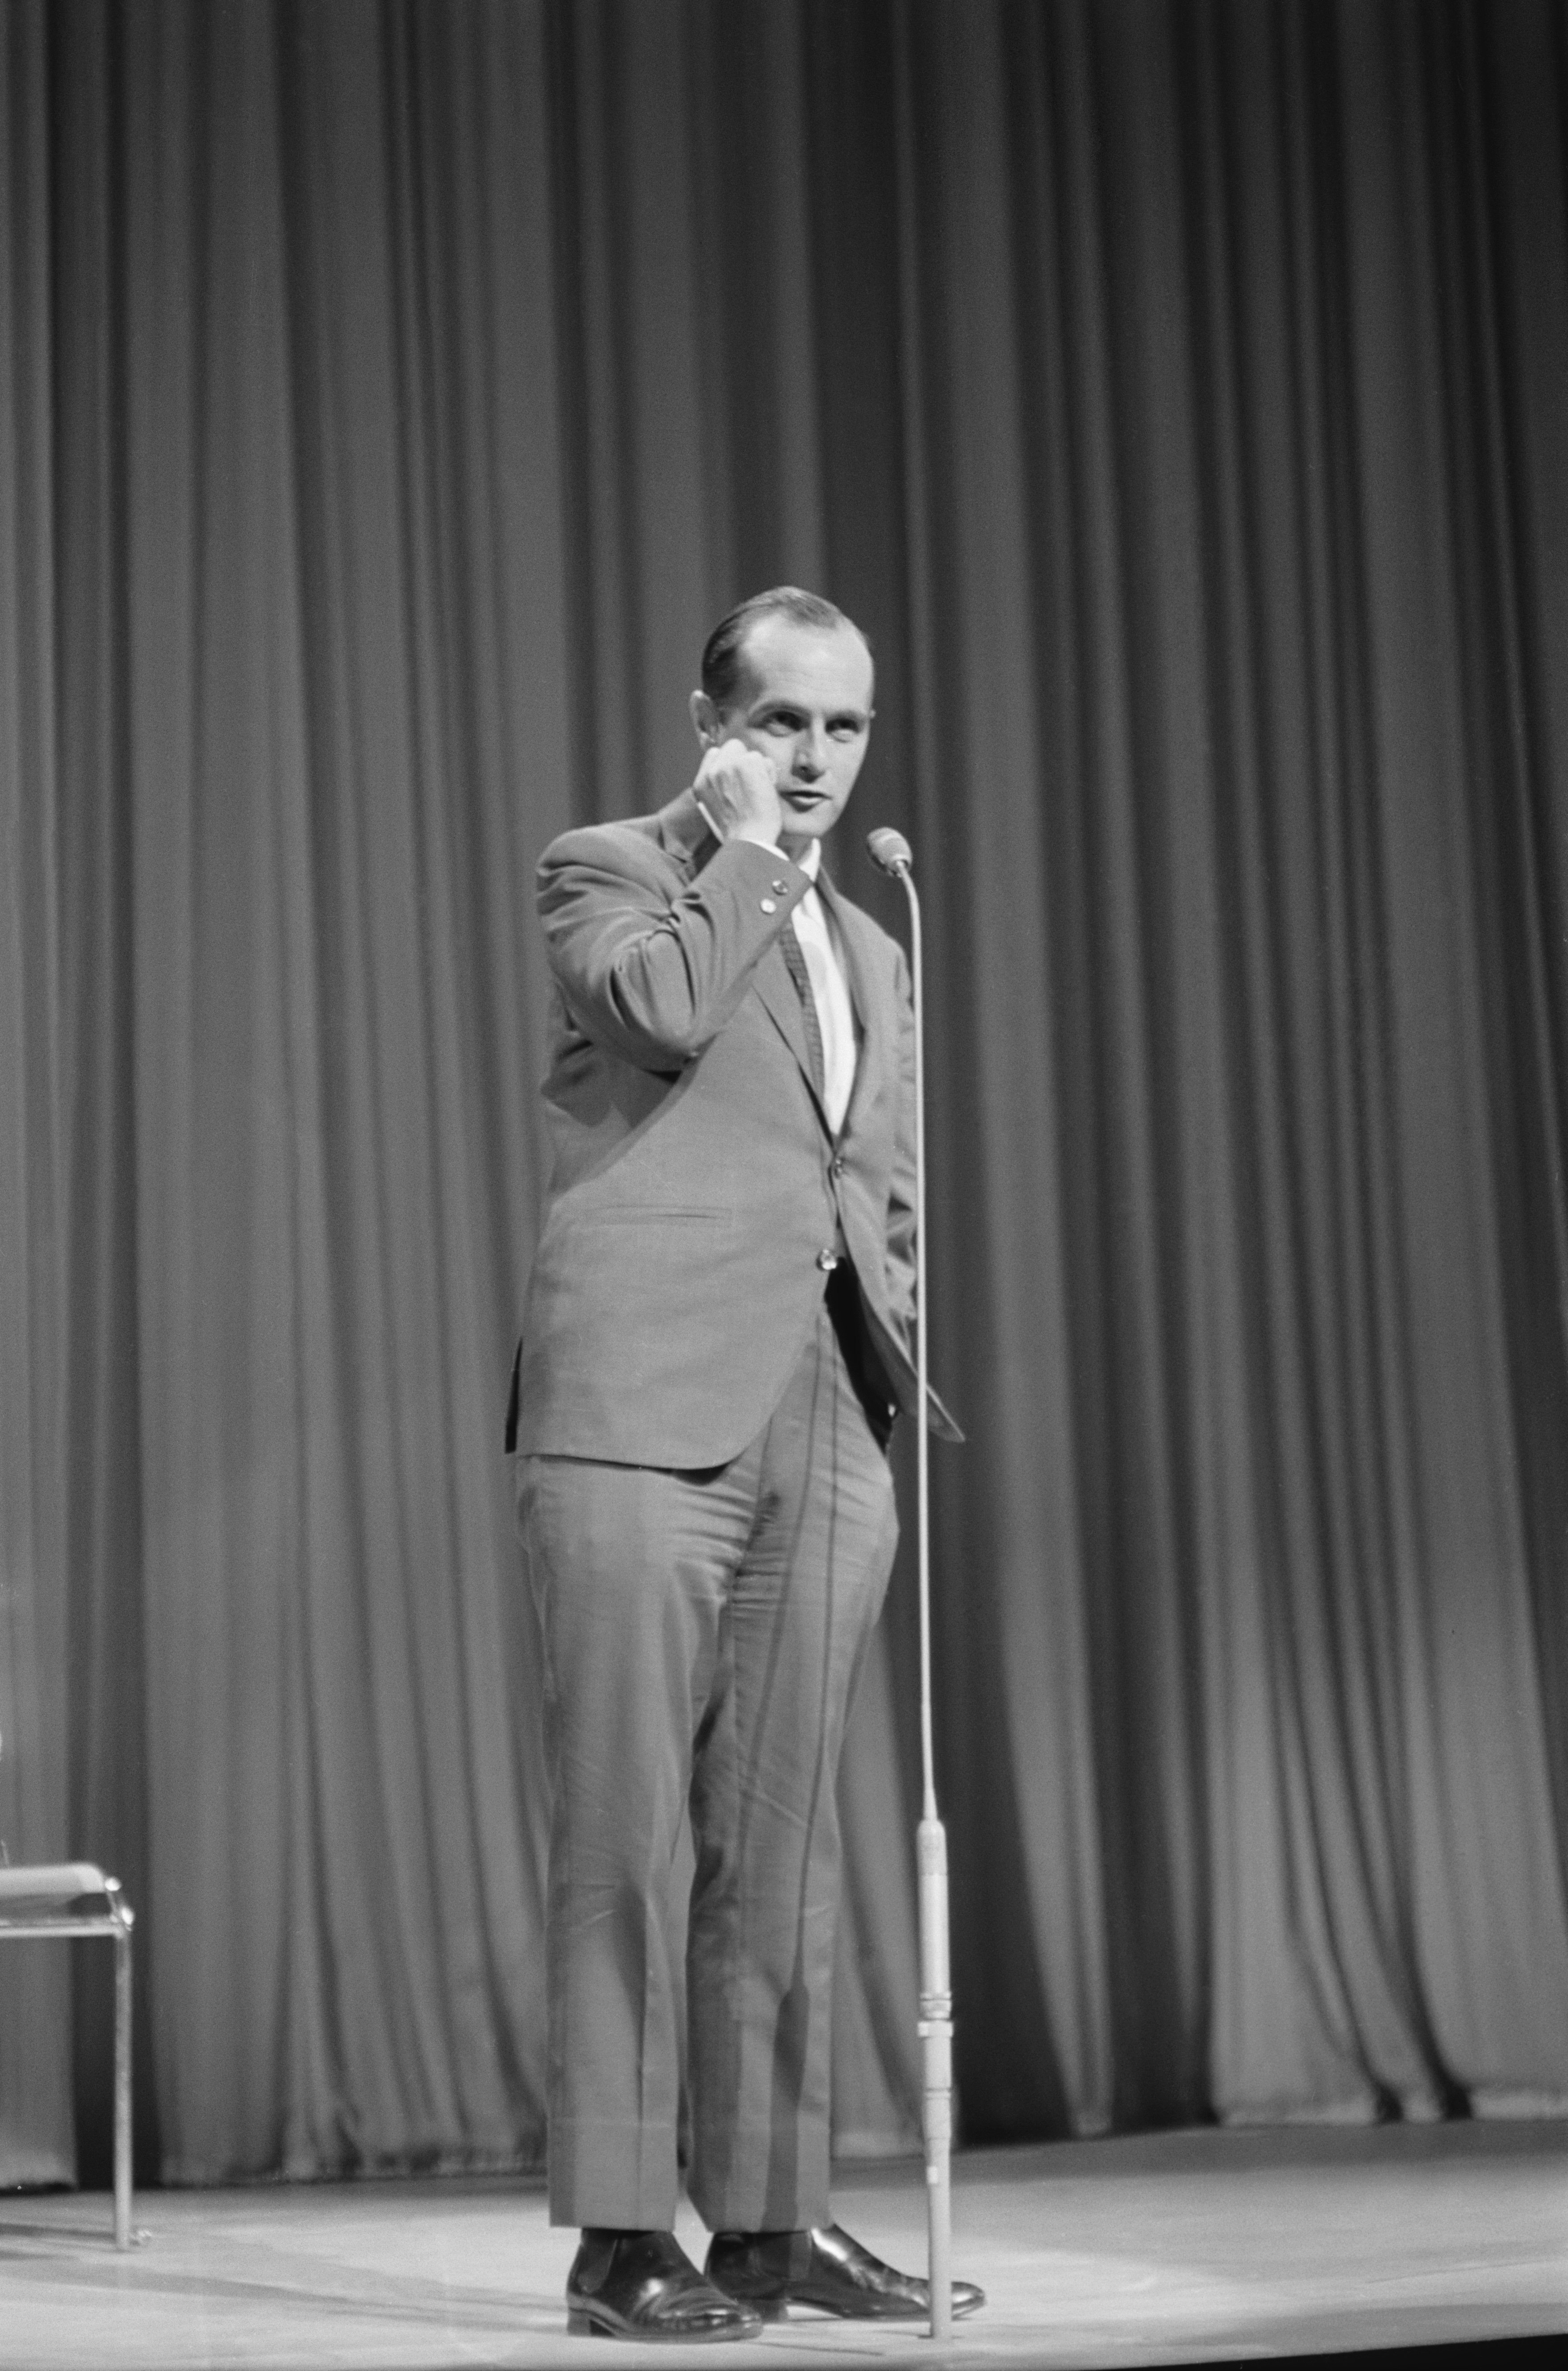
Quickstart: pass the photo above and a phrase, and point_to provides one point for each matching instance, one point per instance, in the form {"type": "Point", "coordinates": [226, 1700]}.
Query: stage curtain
{"type": "Point", "coordinates": [35, 2094]}
{"type": "Point", "coordinates": [394, 392]}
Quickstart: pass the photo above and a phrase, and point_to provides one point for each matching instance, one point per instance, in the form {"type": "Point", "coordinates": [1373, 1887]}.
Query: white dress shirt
{"type": "Point", "coordinates": [830, 991]}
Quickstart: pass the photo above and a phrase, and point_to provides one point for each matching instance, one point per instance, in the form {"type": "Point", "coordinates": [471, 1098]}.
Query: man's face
{"type": "Point", "coordinates": [804, 701]}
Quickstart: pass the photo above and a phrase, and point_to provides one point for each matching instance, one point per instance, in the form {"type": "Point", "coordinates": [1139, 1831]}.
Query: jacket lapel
{"type": "Point", "coordinates": [771, 978]}
{"type": "Point", "coordinates": [774, 984]}
{"type": "Point", "coordinates": [776, 987]}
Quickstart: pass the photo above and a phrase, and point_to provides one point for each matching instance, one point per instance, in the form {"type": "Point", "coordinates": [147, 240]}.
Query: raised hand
{"type": "Point", "coordinates": [736, 791]}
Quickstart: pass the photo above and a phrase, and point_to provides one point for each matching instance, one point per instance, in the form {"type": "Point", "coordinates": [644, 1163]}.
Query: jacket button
{"type": "Point", "coordinates": [768, 907]}
{"type": "Point", "coordinates": [827, 1260]}
{"type": "Point", "coordinates": [838, 1164]}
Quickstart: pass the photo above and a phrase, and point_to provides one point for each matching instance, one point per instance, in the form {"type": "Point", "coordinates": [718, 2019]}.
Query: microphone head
{"type": "Point", "coordinates": [890, 850]}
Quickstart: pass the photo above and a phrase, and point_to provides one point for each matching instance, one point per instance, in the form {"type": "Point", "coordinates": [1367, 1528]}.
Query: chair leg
{"type": "Point", "coordinates": [122, 2090]}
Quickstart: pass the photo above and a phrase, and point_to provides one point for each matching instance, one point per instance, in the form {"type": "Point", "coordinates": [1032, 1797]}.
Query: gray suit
{"type": "Point", "coordinates": [714, 1344]}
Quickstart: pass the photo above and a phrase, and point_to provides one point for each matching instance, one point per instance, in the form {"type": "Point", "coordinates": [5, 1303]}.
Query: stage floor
{"type": "Point", "coordinates": [1172, 2247]}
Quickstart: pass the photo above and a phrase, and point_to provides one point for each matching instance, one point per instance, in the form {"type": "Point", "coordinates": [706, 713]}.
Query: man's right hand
{"type": "Point", "coordinates": [736, 791]}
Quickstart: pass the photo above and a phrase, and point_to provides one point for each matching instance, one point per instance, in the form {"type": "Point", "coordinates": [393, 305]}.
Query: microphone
{"type": "Point", "coordinates": [890, 850]}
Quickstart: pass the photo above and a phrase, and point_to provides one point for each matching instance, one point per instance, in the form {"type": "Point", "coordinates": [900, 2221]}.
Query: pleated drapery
{"type": "Point", "coordinates": [394, 393]}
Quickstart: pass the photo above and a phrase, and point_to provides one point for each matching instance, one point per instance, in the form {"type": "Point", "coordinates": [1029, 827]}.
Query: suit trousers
{"type": "Point", "coordinates": [702, 1636]}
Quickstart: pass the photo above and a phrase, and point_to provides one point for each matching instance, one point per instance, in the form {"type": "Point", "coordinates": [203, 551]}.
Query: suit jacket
{"type": "Point", "coordinates": [696, 1183]}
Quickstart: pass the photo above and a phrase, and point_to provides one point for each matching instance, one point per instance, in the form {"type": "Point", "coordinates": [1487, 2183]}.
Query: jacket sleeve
{"type": "Point", "coordinates": [654, 979]}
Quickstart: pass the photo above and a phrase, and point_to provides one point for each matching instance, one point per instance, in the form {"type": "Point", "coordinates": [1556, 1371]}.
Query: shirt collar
{"type": "Point", "coordinates": [810, 860]}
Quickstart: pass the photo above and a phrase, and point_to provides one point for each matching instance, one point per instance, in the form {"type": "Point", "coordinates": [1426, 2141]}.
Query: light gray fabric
{"type": "Point", "coordinates": [695, 1184]}
{"type": "Point", "coordinates": [702, 1636]}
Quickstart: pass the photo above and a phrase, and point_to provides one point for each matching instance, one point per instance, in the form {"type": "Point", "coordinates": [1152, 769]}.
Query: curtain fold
{"type": "Point", "coordinates": [36, 2137]}
{"type": "Point", "coordinates": [394, 394]}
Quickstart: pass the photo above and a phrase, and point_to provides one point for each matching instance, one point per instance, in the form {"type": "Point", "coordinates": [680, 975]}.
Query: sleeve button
{"type": "Point", "coordinates": [768, 907]}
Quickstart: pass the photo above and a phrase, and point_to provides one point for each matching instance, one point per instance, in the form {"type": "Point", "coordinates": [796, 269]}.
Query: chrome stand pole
{"type": "Point", "coordinates": [930, 1840]}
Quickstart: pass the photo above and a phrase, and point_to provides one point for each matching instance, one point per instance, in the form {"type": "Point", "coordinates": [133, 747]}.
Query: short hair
{"type": "Point", "coordinates": [725, 646]}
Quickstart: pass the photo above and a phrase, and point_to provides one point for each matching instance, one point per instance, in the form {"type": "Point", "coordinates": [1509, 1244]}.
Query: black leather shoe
{"type": "Point", "coordinates": [823, 2269]}
{"type": "Point", "coordinates": [642, 2284]}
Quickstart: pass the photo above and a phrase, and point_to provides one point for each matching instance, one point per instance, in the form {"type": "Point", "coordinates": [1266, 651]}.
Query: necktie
{"type": "Point", "coordinates": [791, 948]}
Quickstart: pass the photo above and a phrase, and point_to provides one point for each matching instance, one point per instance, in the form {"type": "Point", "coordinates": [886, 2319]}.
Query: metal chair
{"type": "Point", "coordinates": [48, 1902]}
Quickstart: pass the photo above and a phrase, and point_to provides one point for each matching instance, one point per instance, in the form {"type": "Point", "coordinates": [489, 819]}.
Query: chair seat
{"type": "Point", "coordinates": [50, 1885]}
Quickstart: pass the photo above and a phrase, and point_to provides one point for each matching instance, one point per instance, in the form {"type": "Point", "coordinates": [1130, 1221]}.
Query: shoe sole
{"type": "Point", "coordinates": [588, 2322]}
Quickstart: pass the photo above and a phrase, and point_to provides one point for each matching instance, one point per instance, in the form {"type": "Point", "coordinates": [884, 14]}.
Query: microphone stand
{"type": "Point", "coordinates": [890, 851]}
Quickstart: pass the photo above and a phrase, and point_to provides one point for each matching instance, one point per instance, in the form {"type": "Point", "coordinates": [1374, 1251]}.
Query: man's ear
{"type": "Point", "coordinates": [705, 720]}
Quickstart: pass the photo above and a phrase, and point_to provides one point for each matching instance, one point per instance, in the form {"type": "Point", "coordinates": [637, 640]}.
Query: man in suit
{"type": "Point", "coordinates": [714, 1349]}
